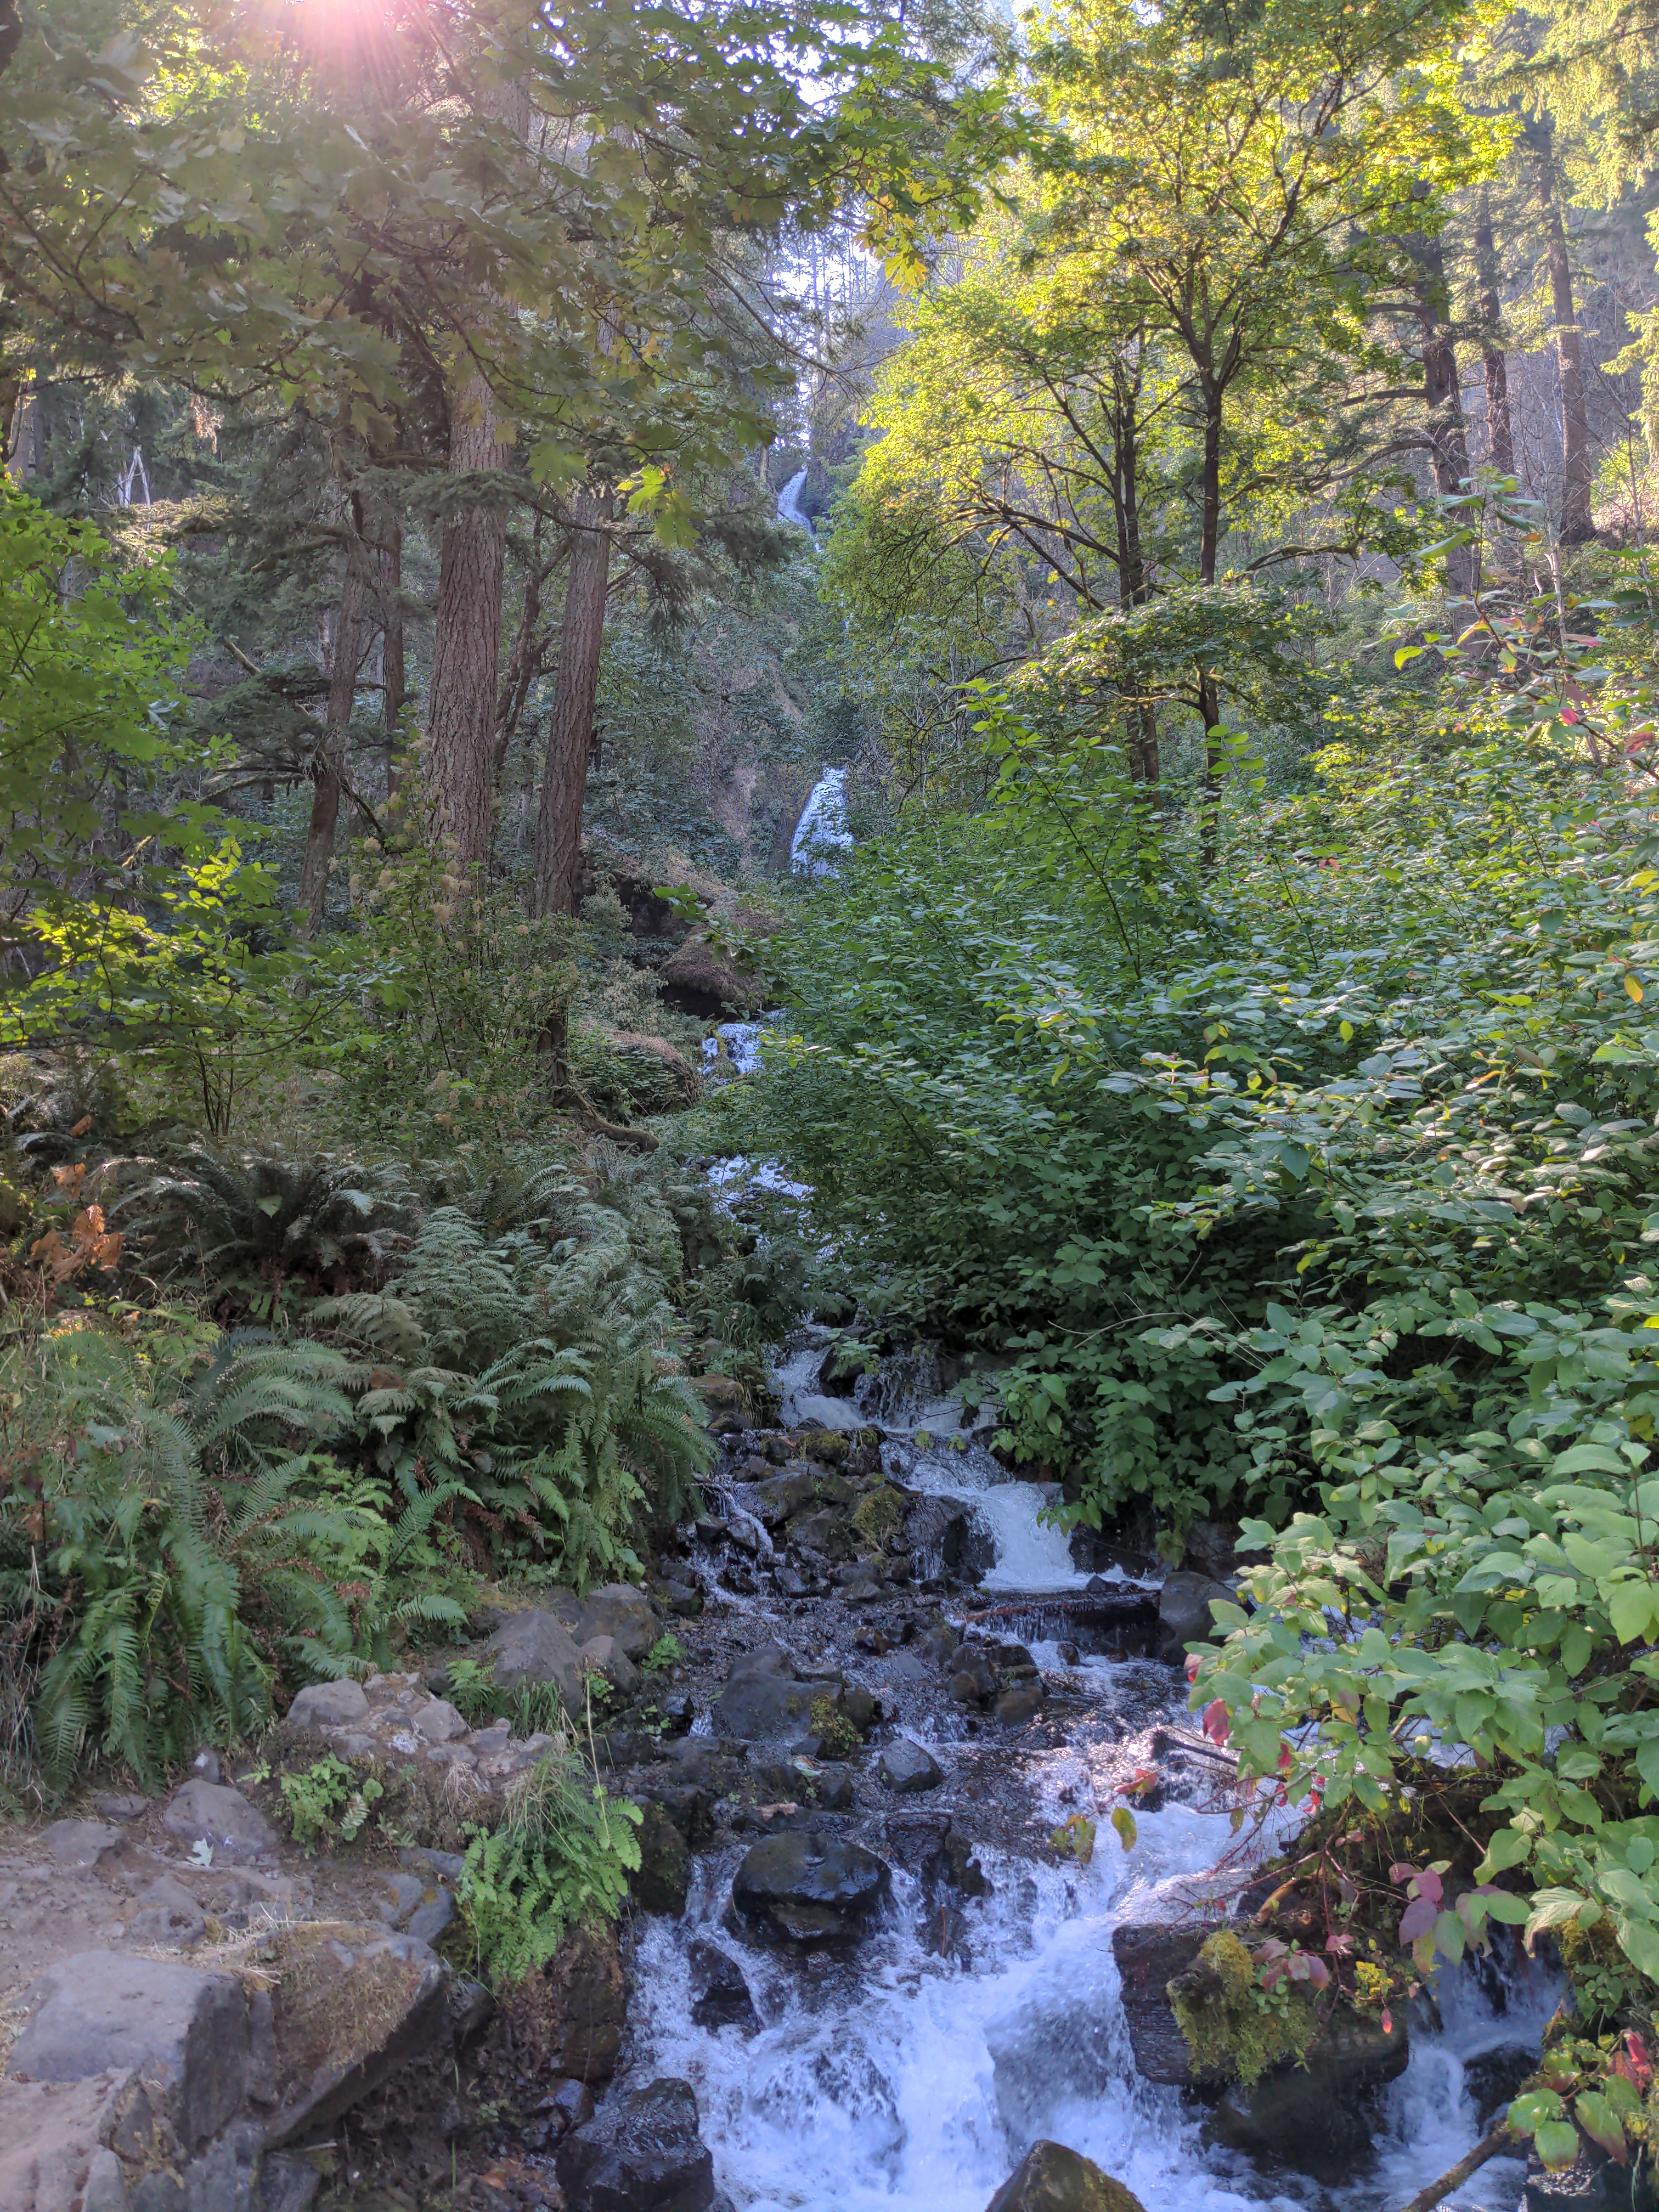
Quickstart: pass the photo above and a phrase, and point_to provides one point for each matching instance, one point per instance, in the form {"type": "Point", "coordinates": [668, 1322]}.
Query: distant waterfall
{"type": "Point", "coordinates": [821, 834]}
{"type": "Point", "coordinates": [789, 506]}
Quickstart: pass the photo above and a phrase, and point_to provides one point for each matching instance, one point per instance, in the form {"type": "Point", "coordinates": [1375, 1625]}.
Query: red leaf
{"type": "Point", "coordinates": [1284, 1758]}
{"type": "Point", "coordinates": [1418, 1918]}
{"type": "Point", "coordinates": [1401, 1872]}
{"type": "Point", "coordinates": [1194, 1663]}
{"type": "Point", "coordinates": [1388, 2022]}
{"type": "Point", "coordinates": [1317, 1971]}
{"type": "Point", "coordinates": [1215, 1721]}
{"type": "Point", "coordinates": [1428, 1886]}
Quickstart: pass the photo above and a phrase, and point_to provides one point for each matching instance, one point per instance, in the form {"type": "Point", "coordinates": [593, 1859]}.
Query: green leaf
{"type": "Point", "coordinates": [1556, 2143]}
{"type": "Point", "coordinates": [1124, 1821]}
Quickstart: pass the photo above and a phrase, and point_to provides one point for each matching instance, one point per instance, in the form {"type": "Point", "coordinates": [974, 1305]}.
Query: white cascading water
{"type": "Point", "coordinates": [822, 834]}
{"type": "Point", "coordinates": [899, 2081]}
{"type": "Point", "coordinates": [789, 506]}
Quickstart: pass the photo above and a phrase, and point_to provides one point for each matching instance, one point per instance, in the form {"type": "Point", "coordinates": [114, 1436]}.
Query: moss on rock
{"type": "Point", "coordinates": [1233, 2030]}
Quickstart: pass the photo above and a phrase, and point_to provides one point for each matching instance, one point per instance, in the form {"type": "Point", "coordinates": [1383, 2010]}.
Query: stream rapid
{"type": "Point", "coordinates": [914, 2074]}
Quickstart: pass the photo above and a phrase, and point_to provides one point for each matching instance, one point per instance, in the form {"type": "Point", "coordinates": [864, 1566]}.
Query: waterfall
{"type": "Point", "coordinates": [789, 506]}
{"type": "Point", "coordinates": [822, 834]}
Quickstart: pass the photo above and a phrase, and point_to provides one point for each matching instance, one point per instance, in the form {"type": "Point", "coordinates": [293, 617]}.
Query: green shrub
{"type": "Point", "coordinates": [560, 1860]}
{"type": "Point", "coordinates": [328, 1801]}
{"type": "Point", "coordinates": [168, 1544]}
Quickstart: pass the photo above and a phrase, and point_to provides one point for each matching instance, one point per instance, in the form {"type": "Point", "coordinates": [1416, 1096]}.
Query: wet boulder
{"type": "Point", "coordinates": [1318, 2116]}
{"type": "Point", "coordinates": [945, 1537]}
{"type": "Point", "coordinates": [1149, 1958]}
{"type": "Point", "coordinates": [1051, 2179]}
{"type": "Point", "coordinates": [1183, 1612]}
{"type": "Point", "coordinates": [905, 1766]}
{"type": "Point", "coordinates": [764, 1700]}
{"type": "Point", "coordinates": [659, 1883]}
{"type": "Point", "coordinates": [808, 1889]}
{"type": "Point", "coordinates": [720, 1994]}
{"type": "Point", "coordinates": [642, 2152]}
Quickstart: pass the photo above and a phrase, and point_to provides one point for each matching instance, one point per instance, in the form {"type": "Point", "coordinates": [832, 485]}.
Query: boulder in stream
{"type": "Point", "coordinates": [640, 2153]}
{"type": "Point", "coordinates": [808, 1889]}
{"type": "Point", "coordinates": [1183, 1612]}
{"type": "Point", "coordinates": [720, 1994]}
{"type": "Point", "coordinates": [905, 1766]}
{"type": "Point", "coordinates": [1051, 2179]}
{"type": "Point", "coordinates": [762, 1698]}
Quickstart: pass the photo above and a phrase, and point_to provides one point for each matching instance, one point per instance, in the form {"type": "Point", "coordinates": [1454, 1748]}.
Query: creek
{"type": "Point", "coordinates": [912, 2075]}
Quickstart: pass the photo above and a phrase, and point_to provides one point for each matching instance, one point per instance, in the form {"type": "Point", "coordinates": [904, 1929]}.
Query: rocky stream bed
{"type": "Point", "coordinates": [872, 1963]}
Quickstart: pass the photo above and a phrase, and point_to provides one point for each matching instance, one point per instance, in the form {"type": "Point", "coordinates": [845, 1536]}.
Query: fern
{"type": "Point", "coordinates": [537, 1392]}
{"type": "Point", "coordinates": [170, 1552]}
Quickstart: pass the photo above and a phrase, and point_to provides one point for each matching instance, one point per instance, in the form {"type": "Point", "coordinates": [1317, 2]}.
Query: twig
{"type": "Point", "coordinates": [1489, 2146]}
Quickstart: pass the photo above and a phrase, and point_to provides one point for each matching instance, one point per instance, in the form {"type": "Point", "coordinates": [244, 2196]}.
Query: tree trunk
{"type": "Point", "coordinates": [22, 445]}
{"type": "Point", "coordinates": [1141, 720]}
{"type": "Point", "coordinates": [1578, 525]}
{"type": "Point", "coordinates": [571, 725]}
{"type": "Point", "coordinates": [466, 643]}
{"type": "Point", "coordinates": [524, 660]}
{"type": "Point", "coordinates": [1500, 433]}
{"type": "Point", "coordinates": [1448, 442]}
{"type": "Point", "coordinates": [1209, 698]}
{"type": "Point", "coordinates": [466, 640]}
{"type": "Point", "coordinates": [330, 756]}
{"type": "Point", "coordinates": [394, 673]}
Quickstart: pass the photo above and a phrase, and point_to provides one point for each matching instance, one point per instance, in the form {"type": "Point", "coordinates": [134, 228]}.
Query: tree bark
{"type": "Point", "coordinates": [467, 641]}
{"type": "Point", "coordinates": [1209, 698]}
{"type": "Point", "coordinates": [571, 725]}
{"type": "Point", "coordinates": [1141, 722]}
{"type": "Point", "coordinates": [1441, 397]}
{"type": "Point", "coordinates": [1500, 431]}
{"type": "Point", "coordinates": [1577, 524]}
{"type": "Point", "coordinates": [331, 756]}
{"type": "Point", "coordinates": [394, 672]}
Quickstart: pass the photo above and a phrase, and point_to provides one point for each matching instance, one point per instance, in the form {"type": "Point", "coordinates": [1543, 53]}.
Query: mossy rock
{"type": "Point", "coordinates": [880, 1514]}
{"type": "Point", "coordinates": [838, 1737]}
{"type": "Point", "coordinates": [1232, 2037]}
{"type": "Point", "coordinates": [827, 1445]}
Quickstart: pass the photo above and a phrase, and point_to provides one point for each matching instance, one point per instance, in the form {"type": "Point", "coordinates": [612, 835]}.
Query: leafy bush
{"type": "Point", "coordinates": [265, 1230]}
{"type": "Point", "coordinates": [560, 1860]}
{"type": "Point", "coordinates": [328, 1799]}
{"type": "Point", "coordinates": [532, 1391]}
{"type": "Point", "coordinates": [163, 1554]}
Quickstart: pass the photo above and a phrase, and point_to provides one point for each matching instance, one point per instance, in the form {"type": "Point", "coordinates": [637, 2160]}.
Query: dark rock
{"type": "Point", "coordinates": [808, 1889]}
{"type": "Point", "coordinates": [536, 1646]}
{"type": "Point", "coordinates": [1149, 1957]}
{"type": "Point", "coordinates": [774, 1500]}
{"type": "Point", "coordinates": [905, 1766]}
{"type": "Point", "coordinates": [622, 1613]}
{"type": "Point", "coordinates": [328, 1705]}
{"type": "Point", "coordinates": [432, 1919]}
{"type": "Point", "coordinates": [658, 1884]}
{"type": "Point", "coordinates": [183, 2030]}
{"type": "Point", "coordinates": [289, 2184]}
{"type": "Point", "coordinates": [208, 1812]}
{"type": "Point", "coordinates": [1051, 2179]}
{"type": "Point", "coordinates": [833, 1789]}
{"type": "Point", "coordinates": [763, 1700]}
{"type": "Point", "coordinates": [353, 2005]}
{"type": "Point", "coordinates": [642, 2153]}
{"type": "Point", "coordinates": [816, 1531]}
{"type": "Point", "coordinates": [1183, 1612]}
{"type": "Point", "coordinates": [947, 1538]}
{"type": "Point", "coordinates": [937, 1646]}
{"type": "Point", "coordinates": [973, 1681]}
{"type": "Point", "coordinates": [719, 1994]}
{"type": "Point", "coordinates": [573, 2103]}
{"type": "Point", "coordinates": [574, 2011]}
{"type": "Point", "coordinates": [1212, 1549]}
{"type": "Point", "coordinates": [683, 1600]}
{"type": "Point", "coordinates": [1019, 1706]}
{"type": "Point", "coordinates": [1493, 2078]}
{"type": "Point", "coordinates": [1317, 2117]}
{"type": "Point", "coordinates": [1591, 2184]}
{"type": "Point", "coordinates": [842, 1370]}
